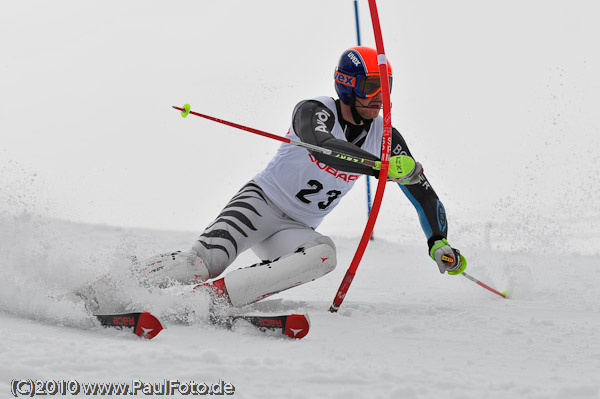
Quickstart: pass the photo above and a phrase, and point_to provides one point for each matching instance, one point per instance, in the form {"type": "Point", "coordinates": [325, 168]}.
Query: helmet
{"type": "Point", "coordinates": [357, 74]}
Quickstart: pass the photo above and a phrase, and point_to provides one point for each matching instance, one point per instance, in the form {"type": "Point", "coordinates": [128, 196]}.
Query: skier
{"type": "Point", "coordinates": [277, 212]}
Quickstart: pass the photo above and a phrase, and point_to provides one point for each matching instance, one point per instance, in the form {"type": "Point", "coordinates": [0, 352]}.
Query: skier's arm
{"type": "Point", "coordinates": [313, 123]}
{"type": "Point", "coordinates": [432, 216]}
{"type": "Point", "coordinates": [430, 209]}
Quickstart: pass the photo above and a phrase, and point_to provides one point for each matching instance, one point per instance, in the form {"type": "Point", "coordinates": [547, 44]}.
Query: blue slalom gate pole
{"type": "Point", "coordinates": [357, 22]}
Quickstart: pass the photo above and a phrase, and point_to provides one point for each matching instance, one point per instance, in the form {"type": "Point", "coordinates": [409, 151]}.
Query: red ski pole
{"type": "Point", "coordinates": [185, 111]}
{"type": "Point", "coordinates": [487, 287]}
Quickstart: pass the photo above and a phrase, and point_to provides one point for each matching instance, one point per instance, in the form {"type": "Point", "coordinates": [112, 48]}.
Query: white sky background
{"type": "Point", "coordinates": [498, 100]}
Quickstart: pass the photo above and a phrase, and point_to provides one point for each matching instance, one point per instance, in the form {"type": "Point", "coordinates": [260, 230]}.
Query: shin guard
{"type": "Point", "coordinates": [251, 284]}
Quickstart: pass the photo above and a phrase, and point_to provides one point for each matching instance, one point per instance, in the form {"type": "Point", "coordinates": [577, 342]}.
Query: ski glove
{"type": "Point", "coordinates": [447, 258]}
{"type": "Point", "coordinates": [403, 170]}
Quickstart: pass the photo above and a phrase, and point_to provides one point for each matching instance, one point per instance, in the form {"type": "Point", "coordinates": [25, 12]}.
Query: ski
{"type": "Point", "coordinates": [145, 325]}
{"type": "Point", "coordinates": [142, 324]}
{"type": "Point", "coordinates": [293, 325]}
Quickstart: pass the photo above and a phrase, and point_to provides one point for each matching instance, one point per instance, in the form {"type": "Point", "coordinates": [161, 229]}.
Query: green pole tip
{"type": "Point", "coordinates": [186, 110]}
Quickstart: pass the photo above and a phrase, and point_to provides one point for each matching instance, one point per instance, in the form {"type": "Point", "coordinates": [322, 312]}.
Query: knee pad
{"type": "Point", "coordinates": [332, 252]}
{"type": "Point", "coordinates": [215, 260]}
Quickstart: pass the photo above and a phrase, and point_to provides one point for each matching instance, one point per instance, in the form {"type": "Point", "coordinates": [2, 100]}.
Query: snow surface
{"type": "Point", "coordinates": [498, 101]}
{"type": "Point", "coordinates": [404, 330]}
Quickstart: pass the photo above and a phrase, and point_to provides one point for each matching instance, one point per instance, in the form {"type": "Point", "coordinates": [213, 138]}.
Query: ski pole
{"type": "Point", "coordinates": [346, 157]}
{"type": "Point", "coordinates": [487, 287]}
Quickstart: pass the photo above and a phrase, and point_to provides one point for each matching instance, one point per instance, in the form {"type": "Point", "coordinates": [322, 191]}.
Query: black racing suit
{"type": "Point", "coordinates": [430, 209]}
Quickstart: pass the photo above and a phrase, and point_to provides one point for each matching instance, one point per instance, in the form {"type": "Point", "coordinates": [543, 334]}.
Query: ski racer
{"type": "Point", "coordinates": [277, 212]}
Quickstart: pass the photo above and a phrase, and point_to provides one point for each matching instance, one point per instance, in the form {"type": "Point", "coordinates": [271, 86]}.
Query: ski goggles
{"type": "Point", "coordinates": [369, 85]}
{"type": "Point", "coordinates": [365, 86]}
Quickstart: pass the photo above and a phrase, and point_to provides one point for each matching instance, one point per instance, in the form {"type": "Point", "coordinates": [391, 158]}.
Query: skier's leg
{"type": "Point", "coordinates": [309, 261]}
{"type": "Point", "coordinates": [247, 219]}
{"type": "Point", "coordinates": [288, 240]}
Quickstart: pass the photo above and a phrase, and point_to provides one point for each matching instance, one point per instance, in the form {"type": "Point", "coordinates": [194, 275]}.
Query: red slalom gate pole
{"type": "Point", "coordinates": [487, 287]}
{"type": "Point", "coordinates": [386, 148]}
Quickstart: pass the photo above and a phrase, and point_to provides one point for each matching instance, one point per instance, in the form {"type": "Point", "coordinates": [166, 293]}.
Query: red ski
{"type": "Point", "coordinates": [147, 326]}
{"type": "Point", "coordinates": [293, 325]}
{"type": "Point", "coordinates": [142, 324]}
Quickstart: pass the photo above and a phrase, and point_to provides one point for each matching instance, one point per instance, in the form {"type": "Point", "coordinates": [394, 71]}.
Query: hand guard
{"type": "Point", "coordinates": [447, 258]}
{"type": "Point", "coordinates": [412, 178]}
{"type": "Point", "coordinates": [403, 170]}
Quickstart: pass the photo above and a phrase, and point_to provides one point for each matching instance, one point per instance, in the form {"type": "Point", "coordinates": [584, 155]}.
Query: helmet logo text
{"type": "Point", "coordinates": [354, 58]}
{"type": "Point", "coordinates": [344, 79]}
